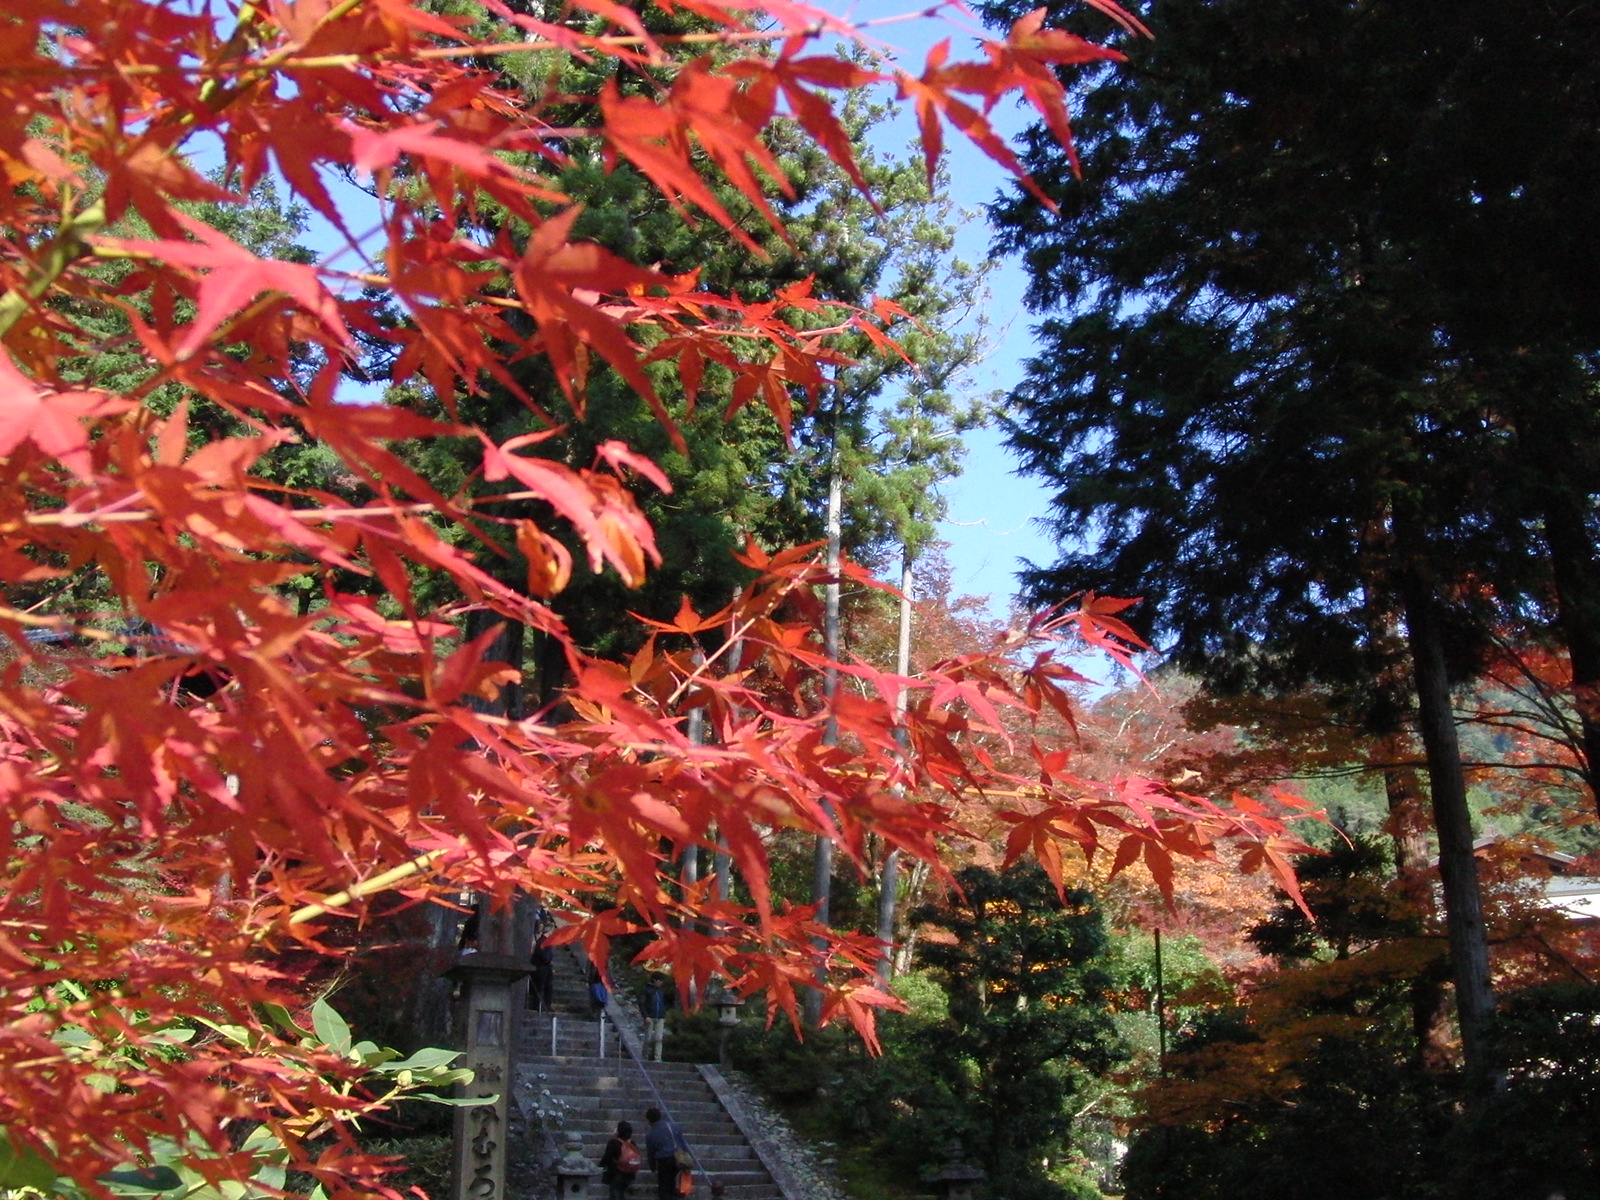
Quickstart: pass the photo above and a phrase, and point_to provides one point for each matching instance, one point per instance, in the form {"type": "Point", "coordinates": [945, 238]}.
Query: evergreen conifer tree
{"type": "Point", "coordinates": [1271, 395]}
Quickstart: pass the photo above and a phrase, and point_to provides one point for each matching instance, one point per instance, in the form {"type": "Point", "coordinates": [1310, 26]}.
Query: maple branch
{"type": "Point", "coordinates": [724, 38]}
{"type": "Point", "coordinates": [70, 242]}
{"type": "Point", "coordinates": [215, 99]}
{"type": "Point", "coordinates": [543, 46]}
{"type": "Point", "coordinates": [704, 300]}
{"type": "Point", "coordinates": [1562, 957]}
{"type": "Point", "coordinates": [38, 622]}
{"type": "Point", "coordinates": [735, 638]}
{"type": "Point", "coordinates": [284, 58]}
{"type": "Point", "coordinates": [67, 246]}
{"type": "Point", "coordinates": [378, 883]}
{"type": "Point", "coordinates": [522, 724]}
{"type": "Point", "coordinates": [69, 519]}
{"type": "Point", "coordinates": [736, 635]}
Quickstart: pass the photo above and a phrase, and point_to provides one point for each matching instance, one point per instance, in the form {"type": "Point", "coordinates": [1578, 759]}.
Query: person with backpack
{"type": "Point", "coordinates": [653, 1005]}
{"type": "Point", "coordinates": [665, 1152]}
{"type": "Point", "coordinates": [620, 1162]}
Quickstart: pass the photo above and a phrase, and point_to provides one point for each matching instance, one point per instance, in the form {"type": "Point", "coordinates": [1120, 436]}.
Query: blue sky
{"type": "Point", "coordinates": [993, 512]}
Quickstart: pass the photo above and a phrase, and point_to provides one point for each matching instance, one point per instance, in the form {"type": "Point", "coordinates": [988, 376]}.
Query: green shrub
{"type": "Point", "coordinates": [424, 1163]}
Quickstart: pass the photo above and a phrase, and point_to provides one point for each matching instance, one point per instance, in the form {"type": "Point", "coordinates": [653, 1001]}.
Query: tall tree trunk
{"type": "Point", "coordinates": [1430, 1020]}
{"type": "Point", "coordinates": [916, 880]}
{"type": "Point", "coordinates": [689, 867]}
{"type": "Point", "coordinates": [1407, 824]}
{"type": "Point", "coordinates": [1452, 820]}
{"type": "Point", "coordinates": [550, 675]}
{"type": "Point", "coordinates": [508, 931]}
{"type": "Point", "coordinates": [505, 648]}
{"type": "Point", "coordinates": [426, 1021]}
{"type": "Point", "coordinates": [1394, 753]}
{"type": "Point", "coordinates": [889, 879]}
{"type": "Point", "coordinates": [822, 859]}
{"type": "Point", "coordinates": [724, 860]}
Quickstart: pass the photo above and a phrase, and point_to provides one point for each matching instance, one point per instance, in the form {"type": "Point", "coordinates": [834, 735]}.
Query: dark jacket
{"type": "Point", "coordinates": [655, 1001]}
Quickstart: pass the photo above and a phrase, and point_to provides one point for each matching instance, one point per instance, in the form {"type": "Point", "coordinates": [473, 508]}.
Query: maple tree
{"type": "Point", "coordinates": [1322, 1077]}
{"type": "Point", "coordinates": [1533, 746]}
{"type": "Point", "coordinates": [207, 773]}
{"type": "Point", "coordinates": [1107, 740]}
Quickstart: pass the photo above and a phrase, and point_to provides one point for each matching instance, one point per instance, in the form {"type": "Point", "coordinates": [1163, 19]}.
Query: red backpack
{"type": "Point", "coordinates": [629, 1160]}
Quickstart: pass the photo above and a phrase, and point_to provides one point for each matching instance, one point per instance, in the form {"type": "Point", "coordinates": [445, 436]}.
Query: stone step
{"type": "Point", "coordinates": [659, 1096]}
{"type": "Point", "coordinates": [744, 1170]}
{"type": "Point", "coordinates": [681, 1103]}
{"type": "Point", "coordinates": [625, 1070]}
{"type": "Point", "coordinates": [726, 1158]}
{"type": "Point", "coordinates": [598, 1123]}
{"type": "Point", "coordinates": [728, 1152]}
{"type": "Point", "coordinates": [723, 1154]}
{"type": "Point", "coordinates": [676, 1099]}
{"type": "Point", "coordinates": [608, 1075]}
{"type": "Point", "coordinates": [606, 1112]}
{"type": "Point", "coordinates": [568, 1042]}
{"type": "Point", "coordinates": [754, 1185]}
{"type": "Point", "coordinates": [644, 1187]}
{"type": "Point", "coordinates": [740, 1186]}
{"type": "Point", "coordinates": [584, 1094]}
{"type": "Point", "coordinates": [624, 1105]}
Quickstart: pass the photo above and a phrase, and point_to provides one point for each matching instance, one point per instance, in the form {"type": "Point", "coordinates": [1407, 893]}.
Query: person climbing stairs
{"type": "Point", "coordinates": [575, 1074]}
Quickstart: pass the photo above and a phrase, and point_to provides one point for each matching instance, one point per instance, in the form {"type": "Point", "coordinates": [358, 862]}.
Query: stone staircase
{"type": "Point", "coordinates": [575, 1076]}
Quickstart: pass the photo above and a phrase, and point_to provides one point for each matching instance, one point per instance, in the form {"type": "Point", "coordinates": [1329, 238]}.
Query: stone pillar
{"type": "Point", "coordinates": [487, 1026]}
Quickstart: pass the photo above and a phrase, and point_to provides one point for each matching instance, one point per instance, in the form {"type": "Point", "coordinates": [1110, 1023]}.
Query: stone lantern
{"type": "Point", "coordinates": [573, 1170]}
{"type": "Point", "coordinates": [727, 1005]}
{"type": "Point", "coordinates": [954, 1180]}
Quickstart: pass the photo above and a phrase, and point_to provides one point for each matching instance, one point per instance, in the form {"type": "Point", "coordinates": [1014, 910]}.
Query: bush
{"type": "Point", "coordinates": [424, 1163]}
{"type": "Point", "coordinates": [792, 1072]}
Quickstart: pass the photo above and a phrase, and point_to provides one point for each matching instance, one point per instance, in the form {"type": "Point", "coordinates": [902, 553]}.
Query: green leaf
{"type": "Point", "coordinates": [266, 1145]}
{"type": "Point", "coordinates": [331, 1027]}
{"type": "Point", "coordinates": [142, 1179]}
{"type": "Point", "coordinates": [283, 1020]}
{"type": "Point", "coordinates": [237, 1034]}
{"type": "Point", "coordinates": [373, 1056]}
{"type": "Point", "coordinates": [429, 1058]}
{"type": "Point", "coordinates": [272, 1176]}
{"type": "Point", "coordinates": [20, 1167]}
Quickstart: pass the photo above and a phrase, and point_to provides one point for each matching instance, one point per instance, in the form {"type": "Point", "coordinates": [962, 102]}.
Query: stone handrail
{"type": "Point", "coordinates": [765, 1147]}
